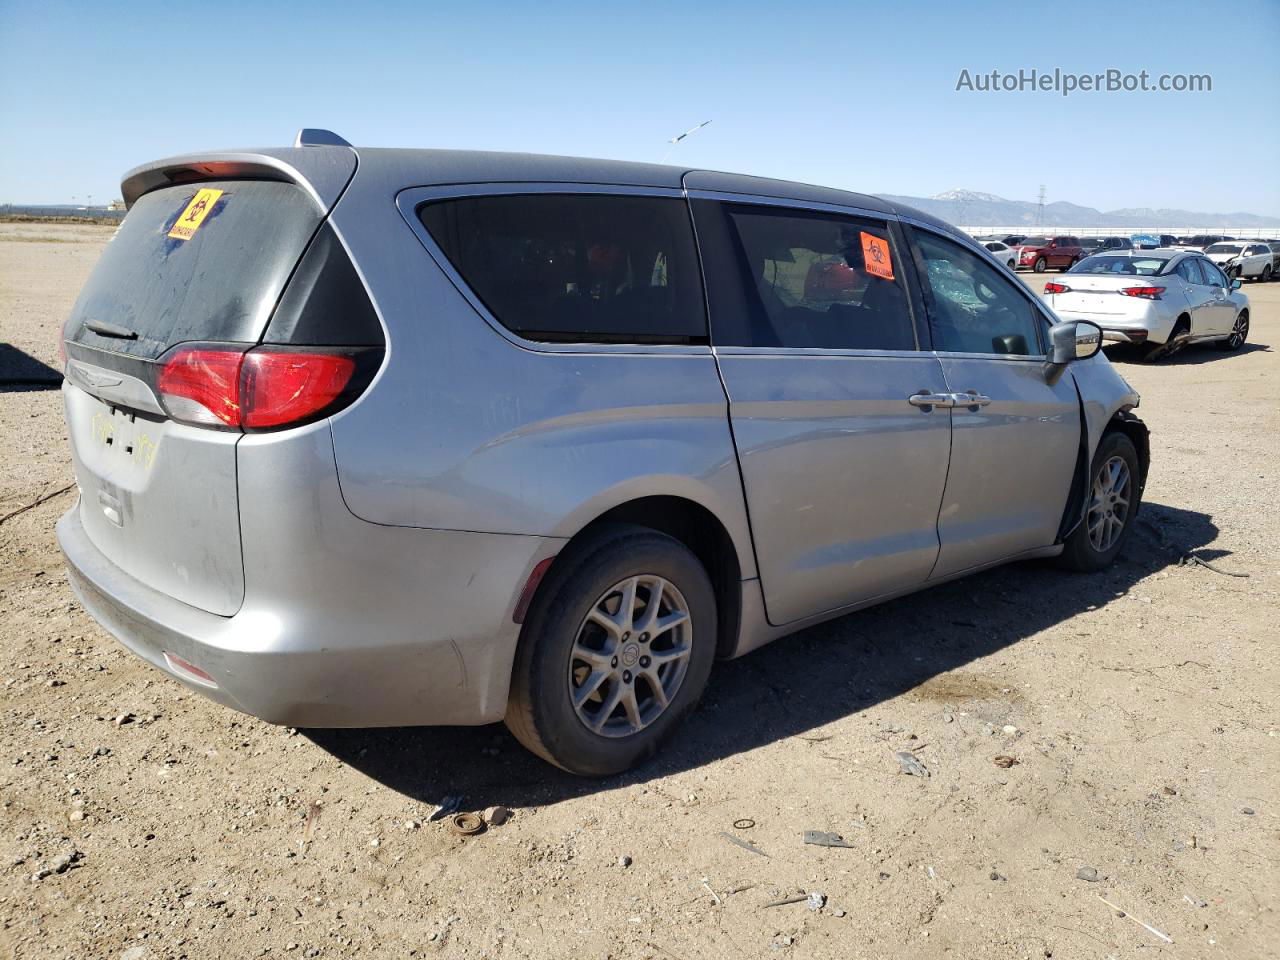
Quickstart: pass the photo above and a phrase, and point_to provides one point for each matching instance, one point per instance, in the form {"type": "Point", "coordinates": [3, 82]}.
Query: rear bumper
{"type": "Point", "coordinates": [441, 655]}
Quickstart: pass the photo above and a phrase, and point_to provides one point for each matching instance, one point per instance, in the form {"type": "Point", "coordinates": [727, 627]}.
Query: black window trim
{"type": "Point", "coordinates": [899, 248]}
{"type": "Point", "coordinates": [410, 199]}
{"type": "Point", "coordinates": [1038, 309]}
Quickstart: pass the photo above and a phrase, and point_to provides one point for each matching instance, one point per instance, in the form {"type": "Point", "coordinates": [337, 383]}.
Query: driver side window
{"type": "Point", "coordinates": [972, 308]}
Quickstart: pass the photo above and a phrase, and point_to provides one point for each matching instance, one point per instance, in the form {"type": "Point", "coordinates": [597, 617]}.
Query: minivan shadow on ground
{"type": "Point", "coordinates": [21, 371]}
{"type": "Point", "coordinates": [793, 685]}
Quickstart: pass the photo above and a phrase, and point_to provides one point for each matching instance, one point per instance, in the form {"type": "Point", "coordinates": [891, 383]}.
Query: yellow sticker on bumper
{"type": "Point", "coordinates": [195, 213]}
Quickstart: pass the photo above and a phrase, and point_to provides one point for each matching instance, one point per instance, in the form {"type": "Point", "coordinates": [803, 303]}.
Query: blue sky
{"type": "Point", "coordinates": [853, 95]}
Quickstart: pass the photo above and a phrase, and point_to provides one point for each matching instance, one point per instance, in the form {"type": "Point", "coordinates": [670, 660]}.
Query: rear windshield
{"type": "Point", "coordinates": [1134, 266]}
{"type": "Point", "coordinates": [203, 261]}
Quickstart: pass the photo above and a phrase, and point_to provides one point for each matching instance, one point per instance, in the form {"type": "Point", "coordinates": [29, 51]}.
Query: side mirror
{"type": "Point", "coordinates": [1073, 340]}
{"type": "Point", "coordinates": [1237, 283]}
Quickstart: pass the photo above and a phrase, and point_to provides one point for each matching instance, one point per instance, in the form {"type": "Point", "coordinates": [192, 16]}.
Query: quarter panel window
{"type": "Point", "coordinates": [787, 277]}
{"type": "Point", "coordinates": [972, 308]}
{"type": "Point", "coordinates": [577, 267]}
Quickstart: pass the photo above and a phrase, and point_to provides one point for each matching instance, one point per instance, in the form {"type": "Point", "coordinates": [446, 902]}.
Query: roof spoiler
{"type": "Point", "coordinates": [322, 173]}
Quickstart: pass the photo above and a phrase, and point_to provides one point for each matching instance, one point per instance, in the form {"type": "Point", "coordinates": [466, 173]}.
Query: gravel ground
{"type": "Point", "coordinates": [142, 822]}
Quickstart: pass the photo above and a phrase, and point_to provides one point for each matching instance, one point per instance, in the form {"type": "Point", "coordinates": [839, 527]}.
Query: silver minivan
{"type": "Point", "coordinates": [393, 437]}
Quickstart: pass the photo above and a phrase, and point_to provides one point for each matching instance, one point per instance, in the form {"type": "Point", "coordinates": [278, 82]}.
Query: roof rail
{"type": "Point", "coordinates": [316, 137]}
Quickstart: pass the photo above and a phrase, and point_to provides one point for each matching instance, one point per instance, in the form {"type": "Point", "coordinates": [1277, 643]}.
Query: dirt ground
{"type": "Point", "coordinates": [1140, 706]}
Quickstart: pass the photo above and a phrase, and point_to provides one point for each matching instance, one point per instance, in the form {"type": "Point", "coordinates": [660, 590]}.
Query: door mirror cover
{"type": "Point", "coordinates": [1074, 340]}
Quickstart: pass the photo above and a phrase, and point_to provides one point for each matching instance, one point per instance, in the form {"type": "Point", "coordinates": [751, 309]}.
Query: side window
{"type": "Point", "coordinates": [972, 308]}
{"type": "Point", "coordinates": [1189, 272]}
{"type": "Point", "coordinates": [1212, 275]}
{"type": "Point", "coordinates": [784, 277]}
{"type": "Point", "coordinates": [595, 268]}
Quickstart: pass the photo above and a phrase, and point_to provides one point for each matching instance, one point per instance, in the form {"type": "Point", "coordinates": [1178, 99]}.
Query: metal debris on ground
{"type": "Point", "coordinates": [445, 807]}
{"type": "Point", "coordinates": [802, 898]}
{"type": "Point", "coordinates": [744, 844]}
{"type": "Point", "coordinates": [1005, 761]}
{"type": "Point", "coordinates": [465, 824]}
{"type": "Point", "coordinates": [1146, 926]}
{"type": "Point", "coordinates": [821, 839]}
{"type": "Point", "coordinates": [909, 764]}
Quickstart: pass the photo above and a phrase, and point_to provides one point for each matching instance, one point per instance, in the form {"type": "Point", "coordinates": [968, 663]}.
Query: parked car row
{"type": "Point", "coordinates": [1239, 259]}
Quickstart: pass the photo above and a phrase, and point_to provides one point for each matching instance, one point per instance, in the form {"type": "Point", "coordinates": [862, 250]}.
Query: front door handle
{"type": "Point", "coordinates": [928, 401]}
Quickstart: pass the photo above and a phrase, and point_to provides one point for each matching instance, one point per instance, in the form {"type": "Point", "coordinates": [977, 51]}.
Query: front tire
{"type": "Point", "coordinates": [1114, 497]}
{"type": "Point", "coordinates": [1040, 265]}
{"type": "Point", "coordinates": [615, 651]}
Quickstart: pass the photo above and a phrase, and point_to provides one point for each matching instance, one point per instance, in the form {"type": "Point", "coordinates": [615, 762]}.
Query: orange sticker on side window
{"type": "Point", "coordinates": [198, 209]}
{"type": "Point", "coordinates": [875, 253]}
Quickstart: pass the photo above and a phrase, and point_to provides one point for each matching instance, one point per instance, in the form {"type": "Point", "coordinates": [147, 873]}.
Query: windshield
{"type": "Point", "coordinates": [1122, 266]}
{"type": "Point", "coordinates": [1035, 241]}
{"type": "Point", "coordinates": [1225, 248]}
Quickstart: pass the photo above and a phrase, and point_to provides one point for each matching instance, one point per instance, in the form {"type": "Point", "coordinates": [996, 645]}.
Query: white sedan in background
{"type": "Point", "coordinates": [1240, 258]}
{"type": "Point", "coordinates": [1002, 252]}
{"type": "Point", "coordinates": [1161, 299]}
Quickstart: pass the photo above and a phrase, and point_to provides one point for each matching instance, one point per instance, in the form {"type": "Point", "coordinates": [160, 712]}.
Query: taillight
{"type": "Point", "coordinates": [1052, 287]}
{"type": "Point", "coordinates": [202, 385]}
{"type": "Point", "coordinates": [1146, 293]}
{"type": "Point", "coordinates": [283, 388]}
{"type": "Point", "coordinates": [255, 389]}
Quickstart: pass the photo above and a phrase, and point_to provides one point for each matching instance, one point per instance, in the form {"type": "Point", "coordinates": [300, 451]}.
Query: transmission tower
{"type": "Point", "coordinates": [1040, 208]}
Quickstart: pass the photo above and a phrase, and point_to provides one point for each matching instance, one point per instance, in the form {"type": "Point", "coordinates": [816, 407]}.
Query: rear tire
{"type": "Point", "coordinates": [596, 688]}
{"type": "Point", "coordinates": [1266, 274]}
{"type": "Point", "coordinates": [1114, 499]}
{"type": "Point", "coordinates": [1239, 334]}
{"type": "Point", "coordinates": [1173, 344]}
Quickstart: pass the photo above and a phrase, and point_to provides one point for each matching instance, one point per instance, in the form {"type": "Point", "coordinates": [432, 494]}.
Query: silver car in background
{"type": "Point", "coordinates": [1158, 299]}
{"type": "Point", "coordinates": [386, 437]}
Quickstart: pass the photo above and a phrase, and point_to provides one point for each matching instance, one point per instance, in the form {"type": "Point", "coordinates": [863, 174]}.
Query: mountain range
{"type": "Point", "coordinates": [971, 208]}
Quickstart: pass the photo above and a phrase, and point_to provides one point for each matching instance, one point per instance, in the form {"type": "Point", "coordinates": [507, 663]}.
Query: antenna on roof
{"type": "Point", "coordinates": [675, 141]}
{"type": "Point", "coordinates": [316, 137]}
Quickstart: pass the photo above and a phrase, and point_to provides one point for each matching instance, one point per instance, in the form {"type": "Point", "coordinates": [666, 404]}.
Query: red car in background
{"type": "Point", "coordinates": [1041, 253]}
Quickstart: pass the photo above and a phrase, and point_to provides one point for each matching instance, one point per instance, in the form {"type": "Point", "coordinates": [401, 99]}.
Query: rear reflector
{"type": "Point", "coordinates": [254, 389]}
{"type": "Point", "coordinates": [188, 670]}
{"type": "Point", "coordinates": [1146, 293]}
{"type": "Point", "coordinates": [1052, 287]}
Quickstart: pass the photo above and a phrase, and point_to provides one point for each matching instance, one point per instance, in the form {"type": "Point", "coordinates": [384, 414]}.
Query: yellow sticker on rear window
{"type": "Point", "coordinates": [195, 213]}
{"type": "Point", "coordinates": [875, 254]}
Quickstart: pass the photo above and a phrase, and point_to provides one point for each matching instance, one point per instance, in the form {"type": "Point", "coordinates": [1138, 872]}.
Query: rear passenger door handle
{"type": "Point", "coordinates": [927, 401]}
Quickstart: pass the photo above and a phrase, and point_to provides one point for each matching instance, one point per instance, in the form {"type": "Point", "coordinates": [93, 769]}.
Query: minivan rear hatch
{"type": "Point", "coordinates": [192, 262]}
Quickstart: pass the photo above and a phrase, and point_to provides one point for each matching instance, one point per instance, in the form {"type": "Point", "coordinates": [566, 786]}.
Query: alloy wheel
{"type": "Point", "coordinates": [1109, 508]}
{"type": "Point", "coordinates": [1239, 331]}
{"type": "Point", "coordinates": [630, 656]}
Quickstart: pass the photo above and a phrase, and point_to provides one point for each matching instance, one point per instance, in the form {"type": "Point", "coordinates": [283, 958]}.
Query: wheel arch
{"type": "Point", "coordinates": [698, 528]}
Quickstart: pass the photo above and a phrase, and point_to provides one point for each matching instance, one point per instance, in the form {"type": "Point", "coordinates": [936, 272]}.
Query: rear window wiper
{"type": "Point", "coordinates": [111, 330]}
